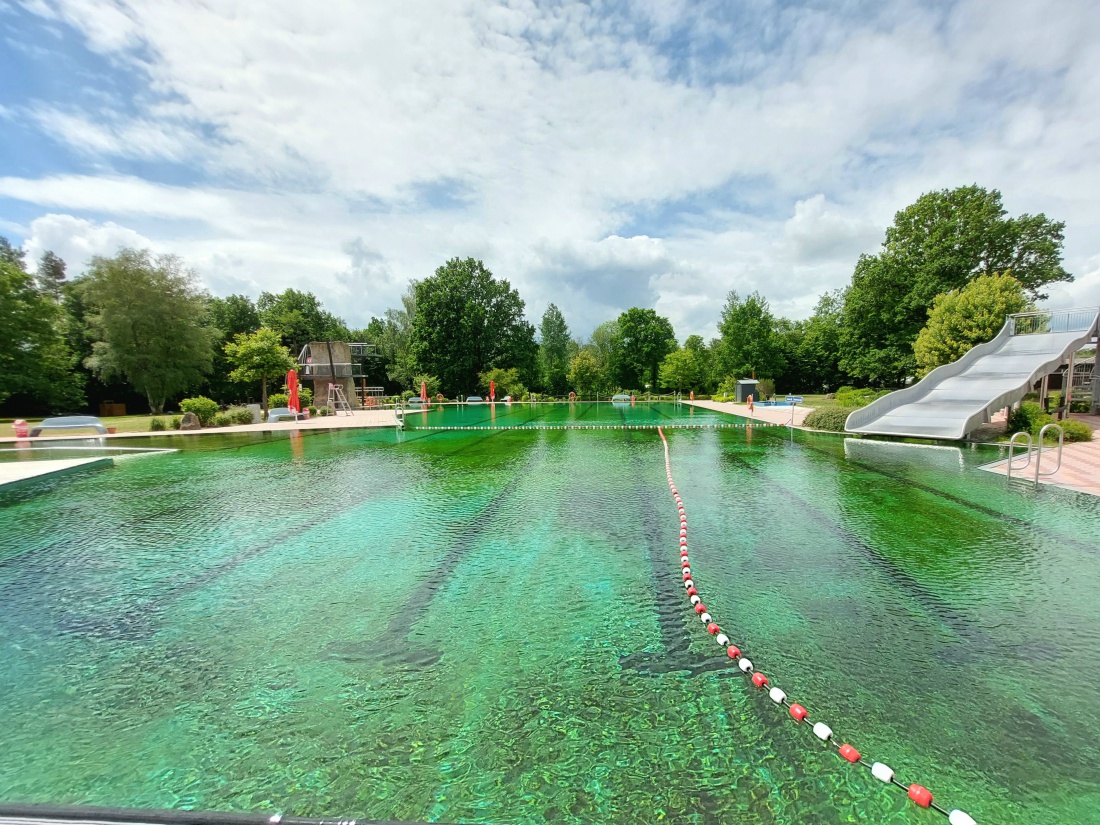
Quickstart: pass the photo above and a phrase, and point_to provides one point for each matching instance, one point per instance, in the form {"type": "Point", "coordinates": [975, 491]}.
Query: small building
{"type": "Point", "coordinates": [340, 363]}
{"type": "Point", "coordinates": [745, 388]}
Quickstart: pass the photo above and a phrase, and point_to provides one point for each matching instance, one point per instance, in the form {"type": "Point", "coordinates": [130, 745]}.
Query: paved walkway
{"type": "Point", "coordinates": [14, 471]}
{"type": "Point", "coordinates": [773, 415]}
{"type": "Point", "coordinates": [1080, 468]}
{"type": "Point", "coordinates": [358, 418]}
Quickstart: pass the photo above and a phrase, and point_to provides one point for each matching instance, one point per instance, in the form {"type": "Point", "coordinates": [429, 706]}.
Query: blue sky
{"type": "Point", "coordinates": [596, 154]}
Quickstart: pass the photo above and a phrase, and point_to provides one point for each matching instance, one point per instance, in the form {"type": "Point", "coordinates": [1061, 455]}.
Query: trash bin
{"type": "Point", "coordinates": [21, 428]}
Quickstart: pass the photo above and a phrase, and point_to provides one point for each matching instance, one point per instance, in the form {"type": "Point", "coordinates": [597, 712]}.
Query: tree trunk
{"type": "Point", "coordinates": [156, 406]}
{"type": "Point", "coordinates": [263, 395]}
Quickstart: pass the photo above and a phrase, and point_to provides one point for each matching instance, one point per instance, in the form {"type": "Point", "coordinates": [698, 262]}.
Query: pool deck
{"type": "Point", "coordinates": [1080, 468]}
{"type": "Point", "coordinates": [772, 415]}
{"type": "Point", "coordinates": [357, 419]}
{"type": "Point", "coordinates": [13, 472]}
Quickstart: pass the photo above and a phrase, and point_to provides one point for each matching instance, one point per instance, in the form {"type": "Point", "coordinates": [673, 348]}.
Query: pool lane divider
{"type": "Point", "coordinates": [600, 426]}
{"type": "Point", "coordinates": [918, 793]}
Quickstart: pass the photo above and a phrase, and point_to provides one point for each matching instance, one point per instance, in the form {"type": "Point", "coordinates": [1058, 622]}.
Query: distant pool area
{"type": "Point", "coordinates": [489, 626]}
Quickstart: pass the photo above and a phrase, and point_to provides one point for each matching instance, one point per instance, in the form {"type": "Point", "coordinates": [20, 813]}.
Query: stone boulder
{"type": "Point", "coordinates": [190, 422]}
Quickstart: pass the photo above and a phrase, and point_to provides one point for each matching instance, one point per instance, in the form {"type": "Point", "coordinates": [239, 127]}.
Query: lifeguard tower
{"type": "Point", "coordinates": [338, 374]}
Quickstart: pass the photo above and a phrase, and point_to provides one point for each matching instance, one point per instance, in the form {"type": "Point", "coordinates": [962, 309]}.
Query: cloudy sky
{"type": "Point", "coordinates": [597, 154]}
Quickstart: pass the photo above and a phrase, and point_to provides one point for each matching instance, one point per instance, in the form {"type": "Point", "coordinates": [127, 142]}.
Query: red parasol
{"type": "Point", "coordinates": [292, 391]}
{"type": "Point", "coordinates": [492, 390]}
{"type": "Point", "coordinates": [424, 391]}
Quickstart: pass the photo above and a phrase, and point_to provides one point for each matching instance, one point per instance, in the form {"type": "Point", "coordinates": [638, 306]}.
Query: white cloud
{"type": "Point", "coordinates": [360, 145]}
{"type": "Point", "coordinates": [76, 240]}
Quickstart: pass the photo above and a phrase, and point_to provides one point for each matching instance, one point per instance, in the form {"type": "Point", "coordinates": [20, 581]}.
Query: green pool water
{"type": "Point", "coordinates": [491, 627]}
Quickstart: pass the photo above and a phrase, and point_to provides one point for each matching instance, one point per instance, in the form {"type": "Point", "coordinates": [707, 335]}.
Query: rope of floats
{"type": "Point", "coordinates": [722, 426]}
{"type": "Point", "coordinates": [918, 793]}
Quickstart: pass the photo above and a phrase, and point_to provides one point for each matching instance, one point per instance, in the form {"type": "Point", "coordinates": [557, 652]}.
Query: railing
{"type": "Point", "coordinates": [1052, 321]}
{"type": "Point", "coordinates": [1039, 451]}
{"type": "Point", "coordinates": [1011, 448]}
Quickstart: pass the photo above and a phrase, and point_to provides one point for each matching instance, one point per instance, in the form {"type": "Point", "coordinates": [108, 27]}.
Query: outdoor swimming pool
{"type": "Point", "coordinates": [490, 627]}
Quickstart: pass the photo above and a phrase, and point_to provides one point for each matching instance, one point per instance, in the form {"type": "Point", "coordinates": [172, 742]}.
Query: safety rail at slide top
{"type": "Point", "coordinates": [953, 400]}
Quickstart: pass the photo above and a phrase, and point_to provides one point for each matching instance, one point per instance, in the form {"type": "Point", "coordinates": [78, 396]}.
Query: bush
{"type": "Point", "coordinates": [204, 408]}
{"type": "Point", "coordinates": [157, 425]}
{"type": "Point", "coordinates": [222, 420]}
{"type": "Point", "coordinates": [1029, 417]}
{"type": "Point", "coordinates": [312, 412]}
{"type": "Point", "coordinates": [322, 411]}
{"type": "Point", "coordinates": [1080, 405]}
{"type": "Point", "coordinates": [239, 415]}
{"type": "Point", "coordinates": [277, 399]}
{"type": "Point", "coordinates": [851, 397]}
{"type": "Point", "coordinates": [305, 397]}
{"type": "Point", "coordinates": [829, 418]}
{"type": "Point", "coordinates": [1076, 430]}
{"type": "Point", "coordinates": [766, 388]}
{"type": "Point", "coordinates": [175, 422]}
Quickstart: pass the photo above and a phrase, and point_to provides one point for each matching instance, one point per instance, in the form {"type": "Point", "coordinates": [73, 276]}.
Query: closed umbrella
{"type": "Point", "coordinates": [492, 390]}
{"type": "Point", "coordinates": [424, 391]}
{"type": "Point", "coordinates": [292, 388]}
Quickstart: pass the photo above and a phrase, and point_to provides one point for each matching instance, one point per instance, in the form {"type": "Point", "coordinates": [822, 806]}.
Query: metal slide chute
{"type": "Point", "coordinates": [953, 400]}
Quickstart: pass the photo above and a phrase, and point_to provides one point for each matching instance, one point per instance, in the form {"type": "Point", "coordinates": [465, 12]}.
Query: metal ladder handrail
{"type": "Point", "coordinates": [1039, 450]}
{"type": "Point", "coordinates": [1012, 445]}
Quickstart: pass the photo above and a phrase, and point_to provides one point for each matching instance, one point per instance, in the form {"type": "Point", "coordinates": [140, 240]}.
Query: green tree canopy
{"type": "Point", "coordinates": [940, 243]}
{"type": "Point", "coordinates": [231, 316]}
{"type": "Point", "coordinates": [507, 382]}
{"type": "Point", "coordinates": [749, 343]}
{"type": "Point", "coordinates": [467, 322]}
{"type": "Point", "coordinates": [258, 356]}
{"type": "Point", "coordinates": [50, 276]}
{"type": "Point", "coordinates": [554, 349]}
{"type": "Point", "coordinates": [299, 318]}
{"type": "Point", "coordinates": [147, 324]}
{"type": "Point", "coordinates": [963, 318]}
{"type": "Point", "coordinates": [585, 375]}
{"type": "Point", "coordinates": [35, 359]}
{"type": "Point", "coordinates": [642, 341]}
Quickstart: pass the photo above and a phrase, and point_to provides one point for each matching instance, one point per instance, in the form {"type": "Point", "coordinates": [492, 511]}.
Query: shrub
{"type": "Point", "coordinates": [204, 408]}
{"type": "Point", "coordinates": [1076, 430]}
{"type": "Point", "coordinates": [312, 412]}
{"type": "Point", "coordinates": [1028, 417]}
{"type": "Point", "coordinates": [766, 388]}
{"type": "Point", "coordinates": [323, 411]}
{"type": "Point", "coordinates": [175, 422]}
{"type": "Point", "coordinates": [239, 415]}
{"type": "Point", "coordinates": [157, 425]}
{"type": "Point", "coordinates": [305, 396]}
{"type": "Point", "coordinates": [1080, 405]}
{"type": "Point", "coordinates": [829, 418]}
{"type": "Point", "coordinates": [222, 420]}
{"type": "Point", "coordinates": [851, 397]}
{"type": "Point", "coordinates": [277, 399]}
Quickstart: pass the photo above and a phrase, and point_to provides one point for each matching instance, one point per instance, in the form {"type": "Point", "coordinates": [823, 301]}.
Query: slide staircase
{"type": "Point", "coordinates": [954, 399]}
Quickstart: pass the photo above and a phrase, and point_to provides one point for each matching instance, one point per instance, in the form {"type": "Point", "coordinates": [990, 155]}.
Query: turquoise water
{"type": "Point", "coordinates": [490, 627]}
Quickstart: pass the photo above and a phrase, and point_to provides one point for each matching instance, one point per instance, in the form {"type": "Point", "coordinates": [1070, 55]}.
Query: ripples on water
{"type": "Point", "coordinates": [490, 627]}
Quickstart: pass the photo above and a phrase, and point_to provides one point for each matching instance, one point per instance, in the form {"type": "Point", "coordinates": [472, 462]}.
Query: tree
{"type": "Point", "coordinates": [687, 368]}
{"type": "Point", "coordinates": [939, 243]}
{"type": "Point", "coordinates": [35, 359]}
{"type": "Point", "coordinates": [965, 317]}
{"type": "Point", "coordinates": [231, 316]}
{"type": "Point", "coordinates": [644, 338]}
{"type": "Point", "coordinates": [396, 332]}
{"type": "Point", "coordinates": [506, 382]}
{"type": "Point", "coordinates": [585, 375]}
{"type": "Point", "coordinates": [13, 255]}
{"type": "Point", "coordinates": [299, 318]}
{"type": "Point", "coordinates": [602, 344]}
{"type": "Point", "coordinates": [468, 322]}
{"type": "Point", "coordinates": [258, 356]}
{"type": "Point", "coordinates": [749, 343]}
{"type": "Point", "coordinates": [51, 275]}
{"type": "Point", "coordinates": [147, 323]}
{"type": "Point", "coordinates": [820, 347]}
{"type": "Point", "coordinates": [554, 349]}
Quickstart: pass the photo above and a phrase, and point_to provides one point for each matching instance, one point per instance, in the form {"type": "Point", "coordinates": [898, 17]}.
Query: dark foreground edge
{"type": "Point", "coordinates": [26, 814]}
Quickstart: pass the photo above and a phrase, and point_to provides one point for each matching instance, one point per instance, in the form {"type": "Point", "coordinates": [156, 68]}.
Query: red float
{"type": "Point", "coordinates": [692, 591]}
{"type": "Point", "coordinates": [849, 753]}
{"type": "Point", "coordinates": [683, 552]}
{"type": "Point", "coordinates": [733, 652]}
{"type": "Point", "coordinates": [700, 608]}
{"type": "Point", "coordinates": [712, 628]}
{"type": "Point", "coordinates": [684, 562]}
{"type": "Point", "coordinates": [921, 795]}
{"type": "Point", "coordinates": [759, 679]}
{"type": "Point", "coordinates": [798, 712]}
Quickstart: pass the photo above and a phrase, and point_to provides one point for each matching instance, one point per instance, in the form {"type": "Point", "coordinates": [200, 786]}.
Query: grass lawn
{"type": "Point", "coordinates": [121, 423]}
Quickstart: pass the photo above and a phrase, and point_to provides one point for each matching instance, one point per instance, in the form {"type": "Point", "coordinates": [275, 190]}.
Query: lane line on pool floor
{"type": "Point", "coordinates": [918, 793]}
{"type": "Point", "coordinates": [439, 428]}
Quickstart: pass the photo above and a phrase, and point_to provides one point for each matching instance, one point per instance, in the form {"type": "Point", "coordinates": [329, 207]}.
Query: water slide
{"type": "Point", "coordinates": [954, 399]}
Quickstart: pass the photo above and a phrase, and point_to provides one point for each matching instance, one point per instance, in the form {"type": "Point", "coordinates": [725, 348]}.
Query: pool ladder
{"type": "Point", "coordinates": [1038, 450]}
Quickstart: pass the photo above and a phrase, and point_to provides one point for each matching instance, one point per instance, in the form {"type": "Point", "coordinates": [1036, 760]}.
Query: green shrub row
{"type": "Point", "coordinates": [851, 397]}
{"type": "Point", "coordinates": [234, 415]}
{"type": "Point", "coordinates": [829, 418]}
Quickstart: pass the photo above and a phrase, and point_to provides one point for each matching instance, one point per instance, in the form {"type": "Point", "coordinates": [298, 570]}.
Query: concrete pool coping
{"type": "Point", "coordinates": [16, 472]}
{"type": "Point", "coordinates": [770, 415]}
